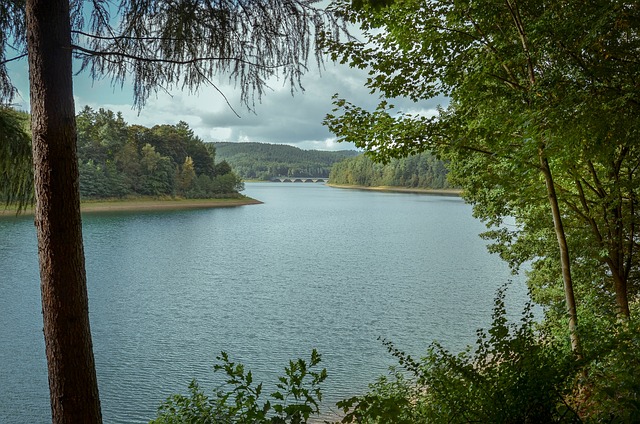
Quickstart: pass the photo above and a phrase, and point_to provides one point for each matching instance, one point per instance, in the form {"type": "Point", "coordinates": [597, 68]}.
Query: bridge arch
{"type": "Point", "coordinates": [298, 179]}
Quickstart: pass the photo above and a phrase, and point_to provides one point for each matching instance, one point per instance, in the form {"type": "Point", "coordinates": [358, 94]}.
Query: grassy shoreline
{"type": "Point", "coordinates": [147, 204]}
{"type": "Point", "coordinates": [392, 189]}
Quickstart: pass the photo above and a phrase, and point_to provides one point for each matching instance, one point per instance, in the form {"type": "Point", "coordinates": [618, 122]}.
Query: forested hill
{"type": "Point", "coordinates": [264, 161]}
{"type": "Point", "coordinates": [120, 160]}
{"type": "Point", "coordinates": [418, 171]}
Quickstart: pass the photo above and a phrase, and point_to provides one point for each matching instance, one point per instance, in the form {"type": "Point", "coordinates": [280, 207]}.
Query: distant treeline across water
{"type": "Point", "coordinates": [418, 171]}
{"type": "Point", "coordinates": [279, 162]}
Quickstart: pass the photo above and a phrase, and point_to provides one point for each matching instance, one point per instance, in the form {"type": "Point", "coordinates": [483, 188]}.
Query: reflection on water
{"type": "Point", "coordinates": [312, 267]}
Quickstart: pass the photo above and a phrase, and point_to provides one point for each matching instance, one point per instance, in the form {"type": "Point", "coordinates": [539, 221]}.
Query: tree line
{"type": "Point", "coordinates": [422, 170]}
{"type": "Point", "coordinates": [263, 161]}
{"type": "Point", "coordinates": [118, 160]}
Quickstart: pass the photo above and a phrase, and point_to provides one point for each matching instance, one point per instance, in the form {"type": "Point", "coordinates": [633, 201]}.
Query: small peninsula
{"type": "Point", "coordinates": [147, 205]}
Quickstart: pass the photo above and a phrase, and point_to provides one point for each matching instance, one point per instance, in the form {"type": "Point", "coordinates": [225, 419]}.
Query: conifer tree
{"type": "Point", "coordinates": [152, 45]}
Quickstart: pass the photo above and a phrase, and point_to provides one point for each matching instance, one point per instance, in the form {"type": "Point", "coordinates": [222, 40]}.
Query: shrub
{"type": "Point", "coordinates": [296, 399]}
{"type": "Point", "coordinates": [515, 375]}
{"type": "Point", "coordinates": [610, 391]}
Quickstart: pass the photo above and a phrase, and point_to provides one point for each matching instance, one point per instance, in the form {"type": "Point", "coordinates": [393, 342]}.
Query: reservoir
{"type": "Point", "coordinates": [312, 267]}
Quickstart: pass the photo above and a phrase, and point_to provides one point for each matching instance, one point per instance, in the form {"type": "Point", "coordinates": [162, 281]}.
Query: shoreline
{"type": "Point", "coordinates": [392, 189]}
{"type": "Point", "coordinates": [147, 205]}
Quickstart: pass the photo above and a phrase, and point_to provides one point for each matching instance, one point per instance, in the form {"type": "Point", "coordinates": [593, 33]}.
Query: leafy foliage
{"type": "Point", "coordinates": [118, 160]}
{"type": "Point", "coordinates": [515, 374]}
{"type": "Point", "coordinates": [264, 161]}
{"type": "Point", "coordinates": [611, 392]}
{"type": "Point", "coordinates": [296, 399]}
{"type": "Point", "coordinates": [16, 170]}
{"type": "Point", "coordinates": [540, 125]}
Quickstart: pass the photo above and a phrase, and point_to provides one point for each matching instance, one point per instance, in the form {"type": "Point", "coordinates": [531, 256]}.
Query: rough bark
{"type": "Point", "coordinates": [617, 265]}
{"type": "Point", "coordinates": [72, 377]}
{"type": "Point", "coordinates": [620, 250]}
{"type": "Point", "coordinates": [622, 299]}
{"type": "Point", "coordinates": [564, 253]}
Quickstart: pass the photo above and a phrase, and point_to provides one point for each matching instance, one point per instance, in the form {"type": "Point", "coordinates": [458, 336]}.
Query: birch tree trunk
{"type": "Point", "coordinates": [565, 261]}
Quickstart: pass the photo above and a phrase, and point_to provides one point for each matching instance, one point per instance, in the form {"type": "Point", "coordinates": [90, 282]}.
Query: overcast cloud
{"type": "Point", "coordinates": [279, 118]}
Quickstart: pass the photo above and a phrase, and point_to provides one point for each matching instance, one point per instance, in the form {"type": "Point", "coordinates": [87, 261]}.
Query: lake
{"type": "Point", "coordinates": [312, 267]}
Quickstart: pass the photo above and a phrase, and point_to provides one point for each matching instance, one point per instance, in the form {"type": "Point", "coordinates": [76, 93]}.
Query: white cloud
{"type": "Point", "coordinates": [278, 118]}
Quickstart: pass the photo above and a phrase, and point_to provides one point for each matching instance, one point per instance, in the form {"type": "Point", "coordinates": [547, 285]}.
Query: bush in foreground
{"type": "Point", "coordinates": [514, 375]}
{"type": "Point", "coordinates": [296, 399]}
{"type": "Point", "coordinates": [517, 373]}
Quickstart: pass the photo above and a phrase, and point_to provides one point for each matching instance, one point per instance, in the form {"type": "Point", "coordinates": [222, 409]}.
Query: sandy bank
{"type": "Point", "coordinates": [431, 191]}
{"type": "Point", "coordinates": [141, 205]}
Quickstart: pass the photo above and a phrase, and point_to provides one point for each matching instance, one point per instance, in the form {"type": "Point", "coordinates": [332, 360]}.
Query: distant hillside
{"type": "Point", "coordinates": [264, 161]}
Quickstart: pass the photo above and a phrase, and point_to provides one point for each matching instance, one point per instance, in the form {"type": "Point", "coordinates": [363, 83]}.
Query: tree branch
{"type": "Point", "coordinates": [13, 58]}
{"type": "Point", "coordinates": [192, 61]}
{"type": "Point", "coordinates": [515, 14]}
{"type": "Point", "coordinates": [127, 37]}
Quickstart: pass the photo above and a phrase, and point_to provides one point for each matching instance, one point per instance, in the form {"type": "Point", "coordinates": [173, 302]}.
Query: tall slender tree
{"type": "Point", "coordinates": [543, 98]}
{"type": "Point", "coordinates": [155, 45]}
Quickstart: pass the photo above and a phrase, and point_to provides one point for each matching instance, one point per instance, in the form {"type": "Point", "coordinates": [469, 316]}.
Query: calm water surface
{"type": "Point", "coordinates": [313, 267]}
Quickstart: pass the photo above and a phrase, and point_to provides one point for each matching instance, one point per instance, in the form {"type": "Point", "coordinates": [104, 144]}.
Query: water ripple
{"type": "Point", "coordinates": [313, 267]}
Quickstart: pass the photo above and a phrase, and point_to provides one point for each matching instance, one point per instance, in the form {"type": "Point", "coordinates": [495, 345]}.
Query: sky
{"type": "Point", "coordinates": [279, 118]}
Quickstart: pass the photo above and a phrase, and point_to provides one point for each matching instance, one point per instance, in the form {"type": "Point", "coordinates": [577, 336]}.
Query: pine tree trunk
{"type": "Point", "coordinates": [565, 263]}
{"type": "Point", "coordinates": [72, 377]}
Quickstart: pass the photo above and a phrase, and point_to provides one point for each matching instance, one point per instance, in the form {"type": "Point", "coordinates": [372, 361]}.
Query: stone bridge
{"type": "Point", "coordinates": [299, 179]}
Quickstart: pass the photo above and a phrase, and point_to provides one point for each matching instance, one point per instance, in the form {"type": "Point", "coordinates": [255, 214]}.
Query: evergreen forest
{"type": "Point", "coordinates": [118, 160]}
{"type": "Point", "coordinates": [263, 161]}
{"type": "Point", "coordinates": [422, 170]}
